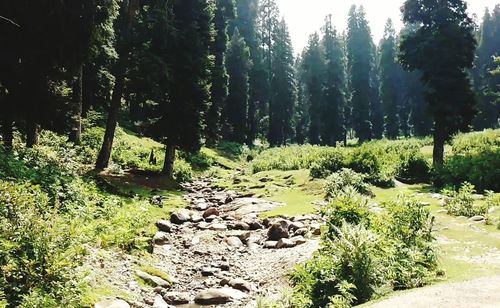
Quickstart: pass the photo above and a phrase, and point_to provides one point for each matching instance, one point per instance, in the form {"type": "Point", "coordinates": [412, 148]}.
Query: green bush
{"type": "Point", "coordinates": [368, 256]}
{"type": "Point", "coordinates": [35, 249]}
{"type": "Point", "coordinates": [463, 203]}
{"type": "Point", "coordinates": [338, 182]}
{"type": "Point", "coordinates": [476, 142]}
{"type": "Point", "coordinates": [347, 206]}
{"type": "Point", "coordinates": [199, 161]}
{"type": "Point", "coordinates": [413, 167]}
{"type": "Point", "coordinates": [327, 164]}
{"type": "Point", "coordinates": [233, 149]}
{"type": "Point", "coordinates": [182, 171]}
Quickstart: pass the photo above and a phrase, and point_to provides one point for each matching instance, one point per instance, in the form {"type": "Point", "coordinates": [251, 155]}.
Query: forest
{"type": "Point", "coordinates": [181, 153]}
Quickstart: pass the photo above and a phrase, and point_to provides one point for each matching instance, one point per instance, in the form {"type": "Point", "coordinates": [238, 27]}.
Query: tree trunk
{"type": "Point", "coordinates": [87, 91]}
{"type": "Point", "coordinates": [168, 166]}
{"type": "Point", "coordinates": [8, 134]}
{"type": "Point", "coordinates": [76, 130]}
{"type": "Point", "coordinates": [32, 136]}
{"type": "Point", "coordinates": [123, 53]}
{"type": "Point", "coordinates": [439, 140]}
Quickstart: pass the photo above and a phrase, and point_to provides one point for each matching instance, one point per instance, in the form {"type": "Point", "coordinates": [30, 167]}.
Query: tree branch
{"type": "Point", "coordinates": [10, 21]}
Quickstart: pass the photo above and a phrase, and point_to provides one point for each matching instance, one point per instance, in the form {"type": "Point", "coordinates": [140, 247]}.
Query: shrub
{"type": "Point", "coordinates": [233, 149]}
{"type": "Point", "coordinates": [345, 178]}
{"type": "Point", "coordinates": [199, 161]}
{"type": "Point", "coordinates": [348, 206]}
{"type": "Point", "coordinates": [462, 203]}
{"type": "Point", "coordinates": [344, 271]}
{"type": "Point", "coordinates": [182, 171]}
{"type": "Point", "coordinates": [328, 163]}
{"type": "Point", "coordinates": [35, 254]}
{"type": "Point", "coordinates": [368, 256]}
{"type": "Point", "coordinates": [413, 167]}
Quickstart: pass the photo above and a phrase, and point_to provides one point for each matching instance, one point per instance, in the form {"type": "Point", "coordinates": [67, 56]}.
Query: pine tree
{"type": "Point", "coordinates": [301, 114]}
{"type": "Point", "coordinates": [442, 49]}
{"type": "Point", "coordinates": [389, 79]}
{"type": "Point", "coordinates": [182, 114]}
{"type": "Point", "coordinates": [313, 76]}
{"type": "Point", "coordinates": [235, 113]}
{"type": "Point", "coordinates": [376, 108]}
{"type": "Point", "coordinates": [224, 13]}
{"type": "Point", "coordinates": [360, 60]}
{"type": "Point", "coordinates": [484, 82]}
{"type": "Point", "coordinates": [283, 101]}
{"type": "Point", "coordinates": [333, 128]}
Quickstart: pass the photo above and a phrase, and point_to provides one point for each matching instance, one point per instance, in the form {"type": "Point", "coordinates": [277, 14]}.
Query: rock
{"type": "Point", "coordinates": [224, 266]}
{"type": "Point", "coordinates": [211, 212]}
{"type": "Point", "coordinates": [270, 244]}
{"type": "Point", "coordinates": [218, 296]}
{"type": "Point", "coordinates": [161, 238]}
{"type": "Point", "coordinates": [218, 227]}
{"type": "Point", "coordinates": [294, 226]}
{"type": "Point", "coordinates": [179, 218]}
{"type": "Point", "coordinates": [278, 231]}
{"type": "Point", "coordinates": [301, 232]}
{"type": "Point", "coordinates": [211, 218]}
{"type": "Point", "coordinates": [176, 298]}
{"type": "Point", "coordinates": [200, 205]}
{"type": "Point", "coordinates": [233, 241]}
{"type": "Point", "coordinates": [156, 200]}
{"type": "Point", "coordinates": [424, 203]}
{"type": "Point", "coordinates": [160, 303]}
{"type": "Point", "coordinates": [244, 236]}
{"type": "Point", "coordinates": [316, 229]}
{"type": "Point", "coordinates": [240, 225]}
{"type": "Point", "coordinates": [478, 218]}
{"type": "Point", "coordinates": [153, 280]}
{"type": "Point", "coordinates": [298, 240]}
{"type": "Point", "coordinates": [285, 243]}
{"type": "Point", "coordinates": [164, 226]}
{"type": "Point", "coordinates": [112, 303]}
{"type": "Point", "coordinates": [196, 218]}
{"type": "Point", "coordinates": [442, 212]}
{"type": "Point", "coordinates": [240, 284]}
{"type": "Point", "coordinates": [255, 225]}
{"type": "Point", "coordinates": [209, 271]}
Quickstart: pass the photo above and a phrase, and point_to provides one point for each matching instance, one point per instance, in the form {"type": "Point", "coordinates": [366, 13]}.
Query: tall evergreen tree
{"type": "Point", "coordinates": [389, 79]}
{"type": "Point", "coordinates": [236, 110]}
{"type": "Point", "coordinates": [442, 49]}
{"type": "Point", "coordinates": [484, 82]}
{"type": "Point", "coordinates": [282, 104]}
{"type": "Point", "coordinates": [224, 13]}
{"type": "Point", "coordinates": [313, 76]}
{"type": "Point", "coordinates": [360, 60]}
{"type": "Point", "coordinates": [376, 108]}
{"type": "Point", "coordinates": [333, 128]}
{"type": "Point", "coordinates": [182, 114]}
{"type": "Point", "coordinates": [301, 114]}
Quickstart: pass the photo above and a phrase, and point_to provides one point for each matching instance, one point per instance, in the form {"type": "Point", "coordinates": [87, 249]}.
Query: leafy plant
{"type": "Point", "coordinates": [338, 182]}
{"type": "Point", "coordinates": [462, 202]}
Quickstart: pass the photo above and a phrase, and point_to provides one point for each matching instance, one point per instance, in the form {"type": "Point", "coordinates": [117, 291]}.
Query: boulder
{"type": "Point", "coordinates": [161, 238]}
{"type": "Point", "coordinates": [255, 225]}
{"type": "Point", "coordinates": [240, 225]}
{"type": "Point", "coordinates": [301, 232]}
{"type": "Point", "coordinates": [278, 231]}
{"type": "Point", "coordinates": [294, 226]}
{"type": "Point", "coordinates": [160, 303]}
{"type": "Point", "coordinates": [112, 303]}
{"type": "Point", "coordinates": [270, 244]}
{"type": "Point", "coordinates": [298, 240]}
{"type": "Point", "coordinates": [211, 212]}
{"type": "Point", "coordinates": [240, 284]}
{"type": "Point", "coordinates": [316, 229]}
{"type": "Point", "coordinates": [285, 243]}
{"type": "Point", "coordinates": [218, 227]}
{"type": "Point", "coordinates": [233, 241]}
{"type": "Point", "coordinates": [179, 218]}
{"type": "Point", "coordinates": [196, 218]}
{"type": "Point", "coordinates": [152, 280]}
{"type": "Point", "coordinates": [218, 296]}
{"type": "Point", "coordinates": [164, 226]}
{"type": "Point", "coordinates": [176, 298]}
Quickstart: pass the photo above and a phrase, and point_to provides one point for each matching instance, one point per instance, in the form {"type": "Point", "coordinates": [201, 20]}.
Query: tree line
{"type": "Point", "coordinates": [194, 72]}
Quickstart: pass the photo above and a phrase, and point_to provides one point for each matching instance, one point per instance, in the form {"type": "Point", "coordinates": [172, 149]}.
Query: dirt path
{"type": "Point", "coordinates": [480, 293]}
{"type": "Point", "coordinates": [219, 252]}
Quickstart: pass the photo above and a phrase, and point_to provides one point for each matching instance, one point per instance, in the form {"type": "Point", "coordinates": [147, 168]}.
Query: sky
{"type": "Point", "coordinates": [306, 16]}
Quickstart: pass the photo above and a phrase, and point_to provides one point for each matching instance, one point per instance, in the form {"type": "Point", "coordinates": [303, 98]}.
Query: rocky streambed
{"type": "Point", "coordinates": [218, 252]}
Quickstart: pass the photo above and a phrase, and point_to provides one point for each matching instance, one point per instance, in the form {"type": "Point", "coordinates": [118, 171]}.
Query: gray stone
{"type": "Point", "coordinates": [240, 284]}
{"type": "Point", "coordinates": [278, 231]}
{"type": "Point", "coordinates": [270, 244]}
{"type": "Point", "coordinates": [196, 218]}
{"type": "Point", "coordinates": [316, 229]}
{"type": "Point", "coordinates": [164, 226]}
{"type": "Point", "coordinates": [478, 218]}
{"type": "Point", "coordinates": [218, 227]}
{"type": "Point", "coordinates": [285, 243]}
{"type": "Point", "coordinates": [160, 303]}
{"type": "Point", "coordinates": [112, 303]}
{"type": "Point", "coordinates": [176, 298]}
{"type": "Point", "coordinates": [153, 280]}
{"type": "Point", "coordinates": [255, 225]}
{"type": "Point", "coordinates": [218, 296]}
{"type": "Point", "coordinates": [294, 226]}
{"type": "Point", "coordinates": [209, 271]}
{"type": "Point", "coordinates": [161, 238]}
{"type": "Point", "coordinates": [233, 241]}
{"type": "Point", "coordinates": [240, 225]}
{"type": "Point", "coordinates": [301, 232]}
{"type": "Point", "coordinates": [179, 218]}
{"type": "Point", "coordinates": [298, 240]}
